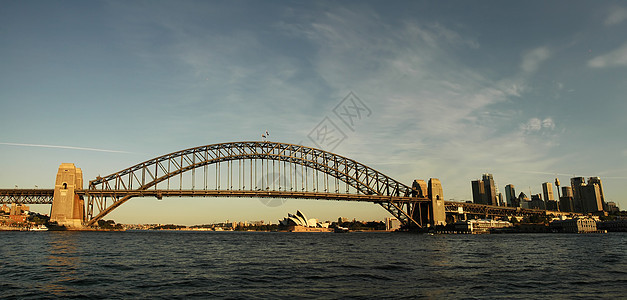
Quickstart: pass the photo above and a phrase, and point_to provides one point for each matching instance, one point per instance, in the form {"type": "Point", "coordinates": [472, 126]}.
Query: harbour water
{"type": "Point", "coordinates": [166, 264]}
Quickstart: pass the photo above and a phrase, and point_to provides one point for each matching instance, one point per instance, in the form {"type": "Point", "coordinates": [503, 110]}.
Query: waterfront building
{"type": "Point", "coordinates": [510, 196]}
{"type": "Point", "coordinates": [392, 224]}
{"type": "Point", "coordinates": [612, 207]}
{"type": "Point", "coordinates": [18, 218]}
{"type": "Point", "coordinates": [480, 226]}
{"type": "Point", "coordinates": [614, 225]}
{"type": "Point", "coordinates": [18, 209]}
{"type": "Point", "coordinates": [299, 219]}
{"type": "Point", "coordinates": [576, 225]}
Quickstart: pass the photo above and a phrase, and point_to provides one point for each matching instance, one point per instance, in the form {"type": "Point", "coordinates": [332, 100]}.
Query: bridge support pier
{"type": "Point", "coordinates": [68, 208]}
{"type": "Point", "coordinates": [433, 213]}
{"type": "Point", "coordinates": [436, 194]}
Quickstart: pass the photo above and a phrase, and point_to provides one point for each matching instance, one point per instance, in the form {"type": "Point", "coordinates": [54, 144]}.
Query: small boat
{"type": "Point", "coordinates": [39, 228]}
{"type": "Point", "coordinates": [340, 229]}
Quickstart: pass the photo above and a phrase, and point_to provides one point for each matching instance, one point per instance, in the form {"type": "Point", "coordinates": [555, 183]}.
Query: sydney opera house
{"type": "Point", "coordinates": [299, 222]}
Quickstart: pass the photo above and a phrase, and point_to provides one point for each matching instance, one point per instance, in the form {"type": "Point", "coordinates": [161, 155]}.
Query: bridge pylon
{"type": "Point", "coordinates": [436, 194]}
{"type": "Point", "coordinates": [430, 213]}
{"type": "Point", "coordinates": [68, 208]}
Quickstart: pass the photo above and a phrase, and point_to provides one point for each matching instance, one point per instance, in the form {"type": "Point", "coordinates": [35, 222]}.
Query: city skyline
{"type": "Point", "coordinates": [526, 91]}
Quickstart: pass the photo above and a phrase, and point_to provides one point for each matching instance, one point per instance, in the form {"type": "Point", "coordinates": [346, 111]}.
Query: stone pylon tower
{"type": "Point", "coordinates": [67, 207]}
{"type": "Point", "coordinates": [436, 194]}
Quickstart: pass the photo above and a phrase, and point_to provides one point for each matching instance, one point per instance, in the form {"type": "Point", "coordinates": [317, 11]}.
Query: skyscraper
{"type": "Point", "coordinates": [577, 183]}
{"type": "Point", "coordinates": [588, 198]}
{"type": "Point", "coordinates": [510, 195]}
{"type": "Point", "coordinates": [490, 189]}
{"type": "Point", "coordinates": [597, 180]}
{"type": "Point", "coordinates": [478, 192]}
{"type": "Point", "coordinates": [566, 200]}
{"type": "Point", "coordinates": [592, 198]}
{"type": "Point", "coordinates": [547, 190]}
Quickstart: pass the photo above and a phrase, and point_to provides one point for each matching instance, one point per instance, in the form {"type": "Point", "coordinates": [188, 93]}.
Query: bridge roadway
{"type": "Point", "coordinates": [44, 196]}
{"type": "Point", "coordinates": [26, 196]}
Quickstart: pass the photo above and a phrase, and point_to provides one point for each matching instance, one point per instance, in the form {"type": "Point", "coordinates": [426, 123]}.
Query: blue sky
{"type": "Point", "coordinates": [525, 90]}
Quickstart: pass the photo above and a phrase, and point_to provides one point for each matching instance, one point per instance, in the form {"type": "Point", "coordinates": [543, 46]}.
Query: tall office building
{"type": "Point", "coordinates": [597, 181]}
{"type": "Point", "coordinates": [547, 190]}
{"type": "Point", "coordinates": [510, 196]}
{"type": "Point", "coordinates": [566, 200]}
{"type": "Point", "coordinates": [551, 203]}
{"type": "Point", "coordinates": [588, 198]}
{"type": "Point", "coordinates": [478, 192]}
{"type": "Point", "coordinates": [578, 184]}
{"type": "Point", "coordinates": [592, 198]}
{"type": "Point", "coordinates": [490, 189]}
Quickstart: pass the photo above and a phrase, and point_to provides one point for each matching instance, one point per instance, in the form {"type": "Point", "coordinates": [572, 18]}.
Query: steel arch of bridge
{"type": "Point", "coordinates": [142, 179]}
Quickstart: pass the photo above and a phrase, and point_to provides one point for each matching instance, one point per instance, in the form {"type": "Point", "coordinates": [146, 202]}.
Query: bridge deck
{"type": "Point", "coordinates": [26, 196]}
{"type": "Point", "coordinates": [44, 196]}
{"type": "Point", "coordinates": [251, 194]}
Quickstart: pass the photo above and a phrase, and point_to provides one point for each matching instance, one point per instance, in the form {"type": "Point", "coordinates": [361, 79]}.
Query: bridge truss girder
{"type": "Point", "coordinates": [26, 196]}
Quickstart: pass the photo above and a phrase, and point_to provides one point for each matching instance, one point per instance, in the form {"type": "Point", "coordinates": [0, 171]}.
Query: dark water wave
{"type": "Point", "coordinates": [171, 265]}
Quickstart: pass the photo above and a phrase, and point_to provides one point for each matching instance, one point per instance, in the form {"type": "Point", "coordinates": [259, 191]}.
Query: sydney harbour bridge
{"type": "Point", "coordinates": [259, 169]}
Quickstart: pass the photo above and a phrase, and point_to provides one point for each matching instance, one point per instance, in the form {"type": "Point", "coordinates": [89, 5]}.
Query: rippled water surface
{"type": "Point", "coordinates": [311, 265]}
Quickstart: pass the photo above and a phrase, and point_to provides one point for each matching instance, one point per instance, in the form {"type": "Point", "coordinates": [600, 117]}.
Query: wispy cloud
{"type": "Point", "coordinates": [616, 58]}
{"type": "Point", "coordinates": [432, 116]}
{"type": "Point", "coordinates": [532, 59]}
{"type": "Point", "coordinates": [536, 125]}
{"type": "Point", "coordinates": [64, 147]}
{"type": "Point", "coordinates": [616, 16]}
